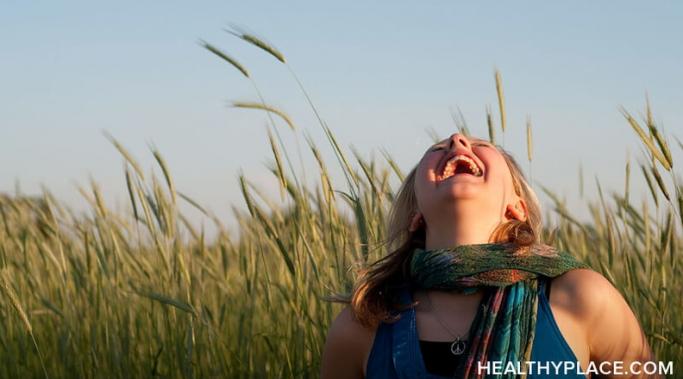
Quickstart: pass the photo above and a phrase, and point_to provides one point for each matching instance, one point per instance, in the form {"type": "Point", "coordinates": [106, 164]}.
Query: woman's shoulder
{"type": "Point", "coordinates": [347, 322]}
{"type": "Point", "coordinates": [347, 346]}
{"type": "Point", "coordinates": [612, 329]}
{"type": "Point", "coordinates": [582, 291]}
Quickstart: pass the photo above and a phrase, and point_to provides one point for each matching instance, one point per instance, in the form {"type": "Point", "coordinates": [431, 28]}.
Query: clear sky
{"type": "Point", "coordinates": [381, 73]}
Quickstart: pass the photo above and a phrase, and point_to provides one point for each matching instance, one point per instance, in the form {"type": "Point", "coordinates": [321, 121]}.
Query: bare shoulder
{"type": "Point", "coordinates": [346, 326]}
{"type": "Point", "coordinates": [611, 327]}
{"type": "Point", "coordinates": [583, 292]}
{"type": "Point", "coordinates": [347, 347]}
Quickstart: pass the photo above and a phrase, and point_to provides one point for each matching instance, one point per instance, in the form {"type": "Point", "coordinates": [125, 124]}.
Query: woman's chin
{"type": "Point", "coordinates": [462, 191]}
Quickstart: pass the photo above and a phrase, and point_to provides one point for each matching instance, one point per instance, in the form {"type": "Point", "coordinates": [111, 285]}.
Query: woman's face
{"type": "Point", "coordinates": [467, 173]}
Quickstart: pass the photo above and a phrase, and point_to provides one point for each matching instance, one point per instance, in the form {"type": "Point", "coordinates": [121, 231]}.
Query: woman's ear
{"type": "Point", "coordinates": [517, 211]}
{"type": "Point", "coordinates": [416, 222]}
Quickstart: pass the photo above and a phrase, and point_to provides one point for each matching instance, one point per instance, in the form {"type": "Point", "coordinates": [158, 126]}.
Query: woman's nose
{"type": "Point", "coordinates": [458, 140]}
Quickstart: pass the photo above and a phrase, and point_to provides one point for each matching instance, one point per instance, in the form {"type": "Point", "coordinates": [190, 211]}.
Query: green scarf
{"type": "Point", "coordinates": [503, 329]}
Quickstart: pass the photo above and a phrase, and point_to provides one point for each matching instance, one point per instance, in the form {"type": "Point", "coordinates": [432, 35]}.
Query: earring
{"type": "Point", "coordinates": [416, 224]}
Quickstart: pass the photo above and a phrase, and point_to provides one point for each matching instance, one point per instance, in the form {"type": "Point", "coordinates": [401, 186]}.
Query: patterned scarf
{"type": "Point", "coordinates": [503, 329]}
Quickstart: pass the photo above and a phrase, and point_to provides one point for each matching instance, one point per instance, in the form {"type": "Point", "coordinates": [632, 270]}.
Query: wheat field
{"type": "Point", "coordinates": [144, 293]}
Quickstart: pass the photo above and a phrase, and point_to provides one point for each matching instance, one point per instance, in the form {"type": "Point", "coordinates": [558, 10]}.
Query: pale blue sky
{"type": "Point", "coordinates": [381, 74]}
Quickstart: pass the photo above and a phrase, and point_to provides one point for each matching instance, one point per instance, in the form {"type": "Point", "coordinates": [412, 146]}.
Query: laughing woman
{"type": "Point", "coordinates": [470, 290]}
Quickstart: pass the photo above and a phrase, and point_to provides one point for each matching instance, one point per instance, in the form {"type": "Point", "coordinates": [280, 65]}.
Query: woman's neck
{"type": "Point", "coordinates": [451, 234]}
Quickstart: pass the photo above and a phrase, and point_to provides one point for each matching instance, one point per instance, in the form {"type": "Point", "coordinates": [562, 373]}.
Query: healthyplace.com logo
{"type": "Point", "coordinates": [572, 367]}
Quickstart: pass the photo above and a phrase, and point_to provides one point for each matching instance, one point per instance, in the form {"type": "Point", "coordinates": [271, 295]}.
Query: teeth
{"type": "Point", "coordinates": [449, 169]}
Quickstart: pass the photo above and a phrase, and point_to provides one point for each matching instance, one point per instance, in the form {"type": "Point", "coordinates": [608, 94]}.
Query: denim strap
{"type": "Point", "coordinates": [405, 354]}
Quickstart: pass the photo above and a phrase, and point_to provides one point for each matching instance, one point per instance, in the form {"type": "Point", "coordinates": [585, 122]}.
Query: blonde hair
{"type": "Point", "coordinates": [375, 294]}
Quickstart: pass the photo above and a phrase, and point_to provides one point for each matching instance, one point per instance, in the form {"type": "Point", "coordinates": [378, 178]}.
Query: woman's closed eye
{"type": "Point", "coordinates": [484, 144]}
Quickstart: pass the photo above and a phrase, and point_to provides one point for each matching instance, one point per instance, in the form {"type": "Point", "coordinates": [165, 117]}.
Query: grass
{"type": "Point", "coordinates": [144, 293]}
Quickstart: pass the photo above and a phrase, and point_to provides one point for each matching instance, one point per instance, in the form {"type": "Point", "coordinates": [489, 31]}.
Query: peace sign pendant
{"type": "Point", "coordinates": [458, 347]}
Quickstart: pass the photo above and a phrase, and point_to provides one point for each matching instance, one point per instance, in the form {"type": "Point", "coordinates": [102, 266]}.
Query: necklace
{"type": "Point", "coordinates": [458, 345]}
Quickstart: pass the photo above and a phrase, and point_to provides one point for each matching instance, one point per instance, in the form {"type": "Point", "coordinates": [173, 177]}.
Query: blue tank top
{"type": "Point", "coordinates": [396, 351]}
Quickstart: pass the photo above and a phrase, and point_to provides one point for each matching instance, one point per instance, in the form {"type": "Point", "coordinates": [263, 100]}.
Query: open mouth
{"type": "Point", "coordinates": [459, 165]}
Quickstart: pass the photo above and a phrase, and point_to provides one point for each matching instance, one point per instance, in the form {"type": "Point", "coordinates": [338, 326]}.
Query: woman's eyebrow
{"type": "Point", "coordinates": [444, 143]}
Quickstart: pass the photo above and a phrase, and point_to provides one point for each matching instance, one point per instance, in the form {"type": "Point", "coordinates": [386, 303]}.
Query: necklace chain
{"type": "Point", "coordinates": [458, 345]}
{"type": "Point", "coordinates": [436, 314]}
